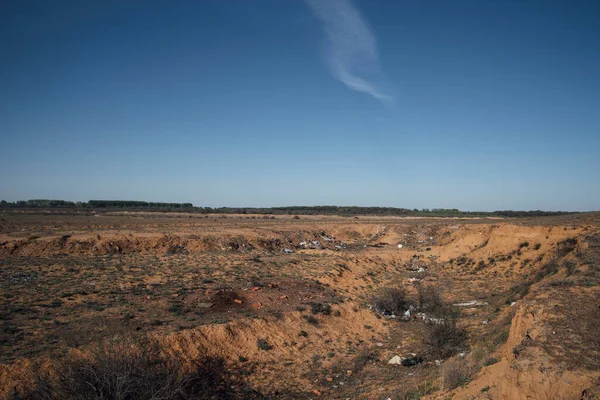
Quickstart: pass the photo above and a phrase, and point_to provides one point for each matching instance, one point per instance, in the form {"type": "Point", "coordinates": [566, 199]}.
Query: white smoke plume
{"type": "Point", "coordinates": [351, 51]}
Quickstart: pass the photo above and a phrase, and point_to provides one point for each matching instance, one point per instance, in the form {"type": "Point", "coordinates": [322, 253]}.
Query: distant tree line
{"type": "Point", "coordinates": [347, 211]}
{"type": "Point", "coordinates": [45, 203]}
{"type": "Point", "coordinates": [135, 204]}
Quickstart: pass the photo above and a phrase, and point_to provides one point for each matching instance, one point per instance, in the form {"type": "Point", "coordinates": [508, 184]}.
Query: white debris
{"type": "Point", "coordinates": [412, 280]}
{"type": "Point", "coordinates": [379, 344]}
{"type": "Point", "coordinates": [513, 303]}
{"type": "Point", "coordinates": [472, 303]}
{"type": "Point", "coordinates": [407, 313]}
{"type": "Point", "coordinates": [396, 360]}
{"type": "Point", "coordinates": [303, 244]}
{"type": "Point", "coordinates": [461, 355]}
{"type": "Point", "coordinates": [421, 269]}
{"type": "Point", "coordinates": [427, 318]}
{"type": "Point", "coordinates": [430, 237]}
{"type": "Point", "coordinates": [288, 251]}
{"type": "Point", "coordinates": [400, 246]}
{"type": "Point", "coordinates": [438, 362]}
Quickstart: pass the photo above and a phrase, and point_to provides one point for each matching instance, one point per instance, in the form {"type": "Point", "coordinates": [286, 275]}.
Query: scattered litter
{"type": "Point", "coordinates": [409, 362]}
{"type": "Point", "coordinates": [513, 303]}
{"type": "Point", "coordinates": [400, 246]}
{"type": "Point", "coordinates": [407, 313]}
{"type": "Point", "coordinates": [461, 355]}
{"type": "Point", "coordinates": [205, 305]}
{"type": "Point", "coordinates": [288, 251]}
{"type": "Point", "coordinates": [412, 280]}
{"type": "Point", "coordinates": [379, 344]}
{"type": "Point", "coordinates": [421, 269]}
{"type": "Point", "coordinates": [396, 360]}
{"type": "Point", "coordinates": [472, 303]}
{"type": "Point", "coordinates": [438, 362]}
{"type": "Point", "coordinates": [238, 301]}
{"type": "Point", "coordinates": [427, 318]}
{"type": "Point", "coordinates": [303, 244]}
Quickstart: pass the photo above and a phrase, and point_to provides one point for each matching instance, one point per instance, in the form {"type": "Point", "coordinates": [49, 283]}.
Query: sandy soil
{"type": "Point", "coordinates": [528, 291]}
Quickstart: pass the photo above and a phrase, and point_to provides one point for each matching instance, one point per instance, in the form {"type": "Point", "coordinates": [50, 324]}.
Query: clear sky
{"type": "Point", "coordinates": [477, 105]}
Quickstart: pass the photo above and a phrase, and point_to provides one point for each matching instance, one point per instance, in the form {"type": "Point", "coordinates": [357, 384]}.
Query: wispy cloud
{"type": "Point", "coordinates": [351, 51]}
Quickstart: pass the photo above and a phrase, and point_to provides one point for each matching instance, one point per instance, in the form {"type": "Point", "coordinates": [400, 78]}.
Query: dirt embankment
{"type": "Point", "coordinates": [116, 244]}
{"type": "Point", "coordinates": [553, 348]}
{"type": "Point", "coordinates": [547, 276]}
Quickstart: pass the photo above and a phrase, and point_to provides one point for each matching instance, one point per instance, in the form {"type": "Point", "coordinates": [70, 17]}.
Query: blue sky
{"type": "Point", "coordinates": [477, 105]}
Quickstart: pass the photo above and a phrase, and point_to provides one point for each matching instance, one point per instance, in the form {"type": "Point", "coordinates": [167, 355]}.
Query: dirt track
{"type": "Point", "coordinates": [305, 287]}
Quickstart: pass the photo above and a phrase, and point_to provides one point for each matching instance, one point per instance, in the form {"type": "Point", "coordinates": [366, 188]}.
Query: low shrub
{"type": "Point", "coordinates": [429, 301]}
{"type": "Point", "coordinates": [263, 344]}
{"type": "Point", "coordinates": [443, 336]}
{"type": "Point", "coordinates": [391, 301]}
{"type": "Point", "coordinates": [128, 369]}
{"type": "Point", "coordinates": [456, 373]}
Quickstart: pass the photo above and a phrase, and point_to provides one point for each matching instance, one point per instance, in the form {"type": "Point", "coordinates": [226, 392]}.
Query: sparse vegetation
{"type": "Point", "coordinates": [444, 337]}
{"type": "Point", "coordinates": [237, 288]}
{"type": "Point", "coordinates": [129, 369]}
{"type": "Point", "coordinates": [320, 308]}
{"type": "Point", "coordinates": [263, 345]}
{"type": "Point", "coordinates": [391, 301]}
{"type": "Point", "coordinates": [490, 361]}
{"type": "Point", "coordinates": [456, 373]}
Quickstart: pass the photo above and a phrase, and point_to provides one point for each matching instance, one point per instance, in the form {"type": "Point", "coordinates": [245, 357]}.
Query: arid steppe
{"type": "Point", "coordinates": [292, 306]}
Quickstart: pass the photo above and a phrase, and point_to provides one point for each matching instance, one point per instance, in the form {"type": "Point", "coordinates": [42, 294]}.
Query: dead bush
{"type": "Point", "coordinates": [443, 336]}
{"type": "Point", "coordinates": [391, 301]}
{"type": "Point", "coordinates": [429, 300]}
{"type": "Point", "coordinates": [366, 356]}
{"type": "Point", "coordinates": [127, 369]}
{"type": "Point", "coordinates": [456, 373]}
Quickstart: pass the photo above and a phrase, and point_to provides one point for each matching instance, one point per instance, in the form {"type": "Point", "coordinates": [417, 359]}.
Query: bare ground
{"type": "Point", "coordinates": [528, 291]}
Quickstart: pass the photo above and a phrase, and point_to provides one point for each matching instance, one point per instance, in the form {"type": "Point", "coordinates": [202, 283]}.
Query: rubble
{"type": "Point", "coordinates": [396, 360]}
{"type": "Point", "coordinates": [472, 303]}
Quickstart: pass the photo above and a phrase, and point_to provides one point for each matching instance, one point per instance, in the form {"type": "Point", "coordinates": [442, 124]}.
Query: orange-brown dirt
{"type": "Point", "coordinates": [528, 291]}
